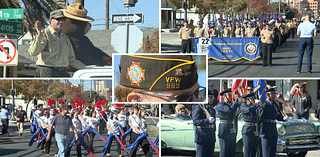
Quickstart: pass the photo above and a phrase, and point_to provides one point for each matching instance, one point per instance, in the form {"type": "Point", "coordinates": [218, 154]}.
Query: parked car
{"type": "Point", "coordinates": [296, 137]}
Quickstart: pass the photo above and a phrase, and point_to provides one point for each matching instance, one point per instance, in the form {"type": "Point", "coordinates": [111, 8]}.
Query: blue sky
{"type": "Point", "coordinates": [97, 10]}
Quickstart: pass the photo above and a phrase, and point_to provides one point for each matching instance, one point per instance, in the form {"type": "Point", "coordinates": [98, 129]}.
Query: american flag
{"type": "Point", "coordinates": [239, 88]}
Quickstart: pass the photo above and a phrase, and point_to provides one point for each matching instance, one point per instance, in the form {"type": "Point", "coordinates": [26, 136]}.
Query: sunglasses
{"type": "Point", "coordinates": [200, 95]}
{"type": "Point", "coordinates": [250, 89]}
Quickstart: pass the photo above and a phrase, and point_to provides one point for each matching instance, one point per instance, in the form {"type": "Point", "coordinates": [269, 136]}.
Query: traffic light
{"type": "Point", "coordinates": [130, 3]}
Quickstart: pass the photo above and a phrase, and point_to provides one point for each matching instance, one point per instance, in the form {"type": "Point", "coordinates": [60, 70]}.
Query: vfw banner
{"type": "Point", "coordinates": [228, 49]}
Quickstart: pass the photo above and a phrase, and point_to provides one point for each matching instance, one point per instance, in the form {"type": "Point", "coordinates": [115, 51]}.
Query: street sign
{"type": "Point", "coordinates": [7, 14]}
{"type": "Point", "coordinates": [127, 18]}
{"type": "Point", "coordinates": [11, 28]}
{"type": "Point", "coordinates": [119, 36]}
{"type": "Point", "coordinates": [8, 52]}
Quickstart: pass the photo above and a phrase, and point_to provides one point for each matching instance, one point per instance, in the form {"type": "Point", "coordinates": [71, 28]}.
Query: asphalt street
{"type": "Point", "coordinates": [13, 145]}
{"type": "Point", "coordinates": [284, 61]}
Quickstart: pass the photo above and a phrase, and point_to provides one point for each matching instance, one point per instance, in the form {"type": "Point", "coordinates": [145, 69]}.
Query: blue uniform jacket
{"type": "Point", "coordinates": [183, 116]}
{"type": "Point", "coordinates": [204, 131]}
{"type": "Point", "coordinates": [249, 114]}
{"type": "Point", "coordinates": [226, 112]}
{"type": "Point", "coordinates": [269, 112]}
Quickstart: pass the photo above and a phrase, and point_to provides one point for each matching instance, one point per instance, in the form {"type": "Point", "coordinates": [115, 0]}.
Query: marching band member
{"type": "Point", "coordinates": [92, 121]}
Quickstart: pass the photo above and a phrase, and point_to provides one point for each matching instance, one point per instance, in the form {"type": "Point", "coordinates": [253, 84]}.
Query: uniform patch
{"type": "Point", "coordinates": [135, 74]}
{"type": "Point", "coordinates": [179, 72]}
{"type": "Point", "coordinates": [251, 48]}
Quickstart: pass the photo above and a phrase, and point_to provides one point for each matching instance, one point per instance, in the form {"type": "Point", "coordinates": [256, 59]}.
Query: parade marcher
{"type": "Point", "coordinates": [250, 128]}
{"type": "Point", "coordinates": [301, 103]}
{"type": "Point", "coordinates": [123, 120]}
{"type": "Point", "coordinates": [181, 112]}
{"type": "Point", "coordinates": [306, 31]}
{"type": "Point", "coordinates": [4, 119]}
{"type": "Point", "coordinates": [53, 48]}
{"type": "Point", "coordinates": [227, 112]}
{"type": "Point", "coordinates": [204, 117]}
{"type": "Point", "coordinates": [83, 118]}
{"type": "Point", "coordinates": [250, 31]}
{"type": "Point", "coordinates": [167, 82]}
{"type": "Point", "coordinates": [139, 127]}
{"type": "Point", "coordinates": [224, 87]}
{"type": "Point", "coordinates": [21, 117]}
{"type": "Point", "coordinates": [185, 33]}
{"type": "Point", "coordinates": [199, 31]}
{"type": "Point", "coordinates": [62, 123]}
{"type": "Point", "coordinates": [213, 31]}
{"type": "Point", "coordinates": [279, 98]}
{"type": "Point", "coordinates": [226, 29]}
{"type": "Point", "coordinates": [42, 123]}
{"type": "Point", "coordinates": [113, 129]}
{"type": "Point", "coordinates": [48, 122]}
{"type": "Point", "coordinates": [268, 114]}
{"type": "Point", "coordinates": [238, 31]}
{"type": "Point", "coordinates": [78, 127]}
{"type": "Point", "coordinates": [267, 38]}
{"type": "Point", "coordinates": [92, 121]}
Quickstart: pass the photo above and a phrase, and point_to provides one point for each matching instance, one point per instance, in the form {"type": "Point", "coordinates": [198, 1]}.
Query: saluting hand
{"type": "Point", "coordinates": [39, 28]}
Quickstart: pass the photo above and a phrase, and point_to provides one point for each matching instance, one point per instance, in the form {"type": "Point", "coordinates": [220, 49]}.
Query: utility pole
{"type": "Point", "coordinates": [248, 9]}
{"type": "Point", "coordinates": [13, 93]}
{"type": "Point", "coordinates": [279, 6]}
{"type": "Point", "coordinates": [107, 14]}
{"type": "Point", "coordinates": [185, 6]}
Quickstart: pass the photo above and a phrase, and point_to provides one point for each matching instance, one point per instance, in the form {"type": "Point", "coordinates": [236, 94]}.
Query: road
{"type": "Point", "coordinates": [13, 145]}
{"type": "Point", "coordinates": [192, 154]}
{"type": "Point", "coordinates": [284, 61]}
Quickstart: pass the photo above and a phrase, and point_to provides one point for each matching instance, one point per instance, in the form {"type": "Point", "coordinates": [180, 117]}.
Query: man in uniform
{"type": "Point", "coordinates": [268, 113]}
{"type": "Point", "coordinates": [267, 38]}
{"type": "Point", "coordinates": [227, 112]}
{"type": "Point", "coordinates": [213, 31]}
{"type": "Point", "coordinates": [250, 31]}
{"type": "Point", "coordinates": [238, 31]}
{"type": "Point", "coordinates": [185, 33]}
{"type": "Point", "coordinates": [306, 31]}
{"type": "Point", "coordinates": [199, 31]}
{"type": "Point", "coordinates": [250, 128]}
{"type": "Point", "coordinates": [226, 29]}
{"type": "Point", "coordinates": [53, 48]}
{"type": "Point", "coordinates": [204, 123]}
{"type": "Point", "coordinates": [158, 78]}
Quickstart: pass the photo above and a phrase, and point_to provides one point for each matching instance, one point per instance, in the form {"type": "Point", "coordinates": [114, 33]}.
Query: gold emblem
{"type": "Point", "coordinates": [179, 72]}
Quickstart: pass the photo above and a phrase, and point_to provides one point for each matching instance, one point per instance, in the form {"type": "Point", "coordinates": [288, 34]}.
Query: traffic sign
{"type": "Point", "coordinates": [127, 18]}
{"type": "Point", "coordinates": [7, 14]}
{"type": "Point", "coordinates": [8, 52]}
{"type": "Point", "coordinates": [11, 28]}
{"type": "Point", "coordinates": [119, 36]}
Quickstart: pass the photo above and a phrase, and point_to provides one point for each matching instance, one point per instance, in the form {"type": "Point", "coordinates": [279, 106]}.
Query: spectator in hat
{"type": "Point", "coordinates": [185, 33]}
{"type": "Point", "coordinates": [158, 78]}
{"type": "Point", "coordinates": [53, 49]}
{"type": "Point", "coordinates": [199, 31]}
{"type": "Point", "coordinates": [181, 112]}
{"type": "Point", "coordinates": [301, 103]}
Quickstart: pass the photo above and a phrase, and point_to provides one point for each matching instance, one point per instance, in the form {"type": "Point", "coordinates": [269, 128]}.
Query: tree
{"type": "Point", "coordinates": [151, 45]}
{"type": "Point", "coordinates": [284, 8]}
{"type": "Point", "coordinates": [75, 91]}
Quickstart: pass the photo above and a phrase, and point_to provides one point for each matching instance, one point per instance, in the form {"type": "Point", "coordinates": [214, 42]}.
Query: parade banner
{"type": "Point", "coordinates": [228, 49]}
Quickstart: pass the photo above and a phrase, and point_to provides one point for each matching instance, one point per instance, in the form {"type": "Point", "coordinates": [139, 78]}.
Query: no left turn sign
{"type": "Point", "coordinates": [8, 52]}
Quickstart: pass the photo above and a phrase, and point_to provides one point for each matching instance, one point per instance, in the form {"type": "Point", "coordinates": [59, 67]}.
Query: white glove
{"type": "Point", "coordinates": [91, 66]}
{"type": "Point", "coordinates": [211, 120]}
{"type": "Point", "coordinates": [286, 118]}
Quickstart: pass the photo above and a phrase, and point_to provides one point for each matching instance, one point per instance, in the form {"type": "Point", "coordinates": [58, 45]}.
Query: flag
{"type": "Point", "coordinates": [221, 22]}
{"type": "Point", "coordinates": [105, 148]}
{"type": "Point", "coordinates": [126, 133]}
{"type": "Point", "coordinates": [242, 16]}
{"type": "Point", "coordinates": [280, 17]}
{"type": "Point", "coordinates": [239, 88]}
{"type": "Point", "coordinates": [259, 86]}
{"type": "Point", "coordinates": [261, 20]}
{"type": "Point", "coordinates": [274, 17]}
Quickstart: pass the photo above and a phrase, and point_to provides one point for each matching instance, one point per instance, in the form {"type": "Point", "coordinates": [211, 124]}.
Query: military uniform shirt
{"type": "Point", "coordinates": [199, 32]}
{"type": "Point", "coordinates": [54, 49]}
{"type": "Point", "coordinates": [238, 32]}
{"type": "Point", "coordinates": [267, 36]}
{"type": "Point", "coordinates": [226, 31]}
{"type": "Point", "coordinates": [185, 33]}
{"type": "Point", "coordinates": [251, 32]}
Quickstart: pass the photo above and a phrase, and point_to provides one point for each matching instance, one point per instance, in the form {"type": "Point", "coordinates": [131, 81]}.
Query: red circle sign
{"type": "Point", "coordinates": [2, 48]}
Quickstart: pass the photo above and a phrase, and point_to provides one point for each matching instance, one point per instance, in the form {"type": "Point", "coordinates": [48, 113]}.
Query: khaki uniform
{"type": "Point", "coordinates": [185, 34]}
{"type": "Point", "coordinates": [238, 32]}
{"type": "Point", "coordinates": [214, 32]}
{"type": "Point", "coordinates": [267, 37]}
{"type": "Point", "coordinates": [199, 32]}
{"type": "Point", "coordinates": [250, 32]}
{"type": "Point", "coordinates": [226, 31]}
